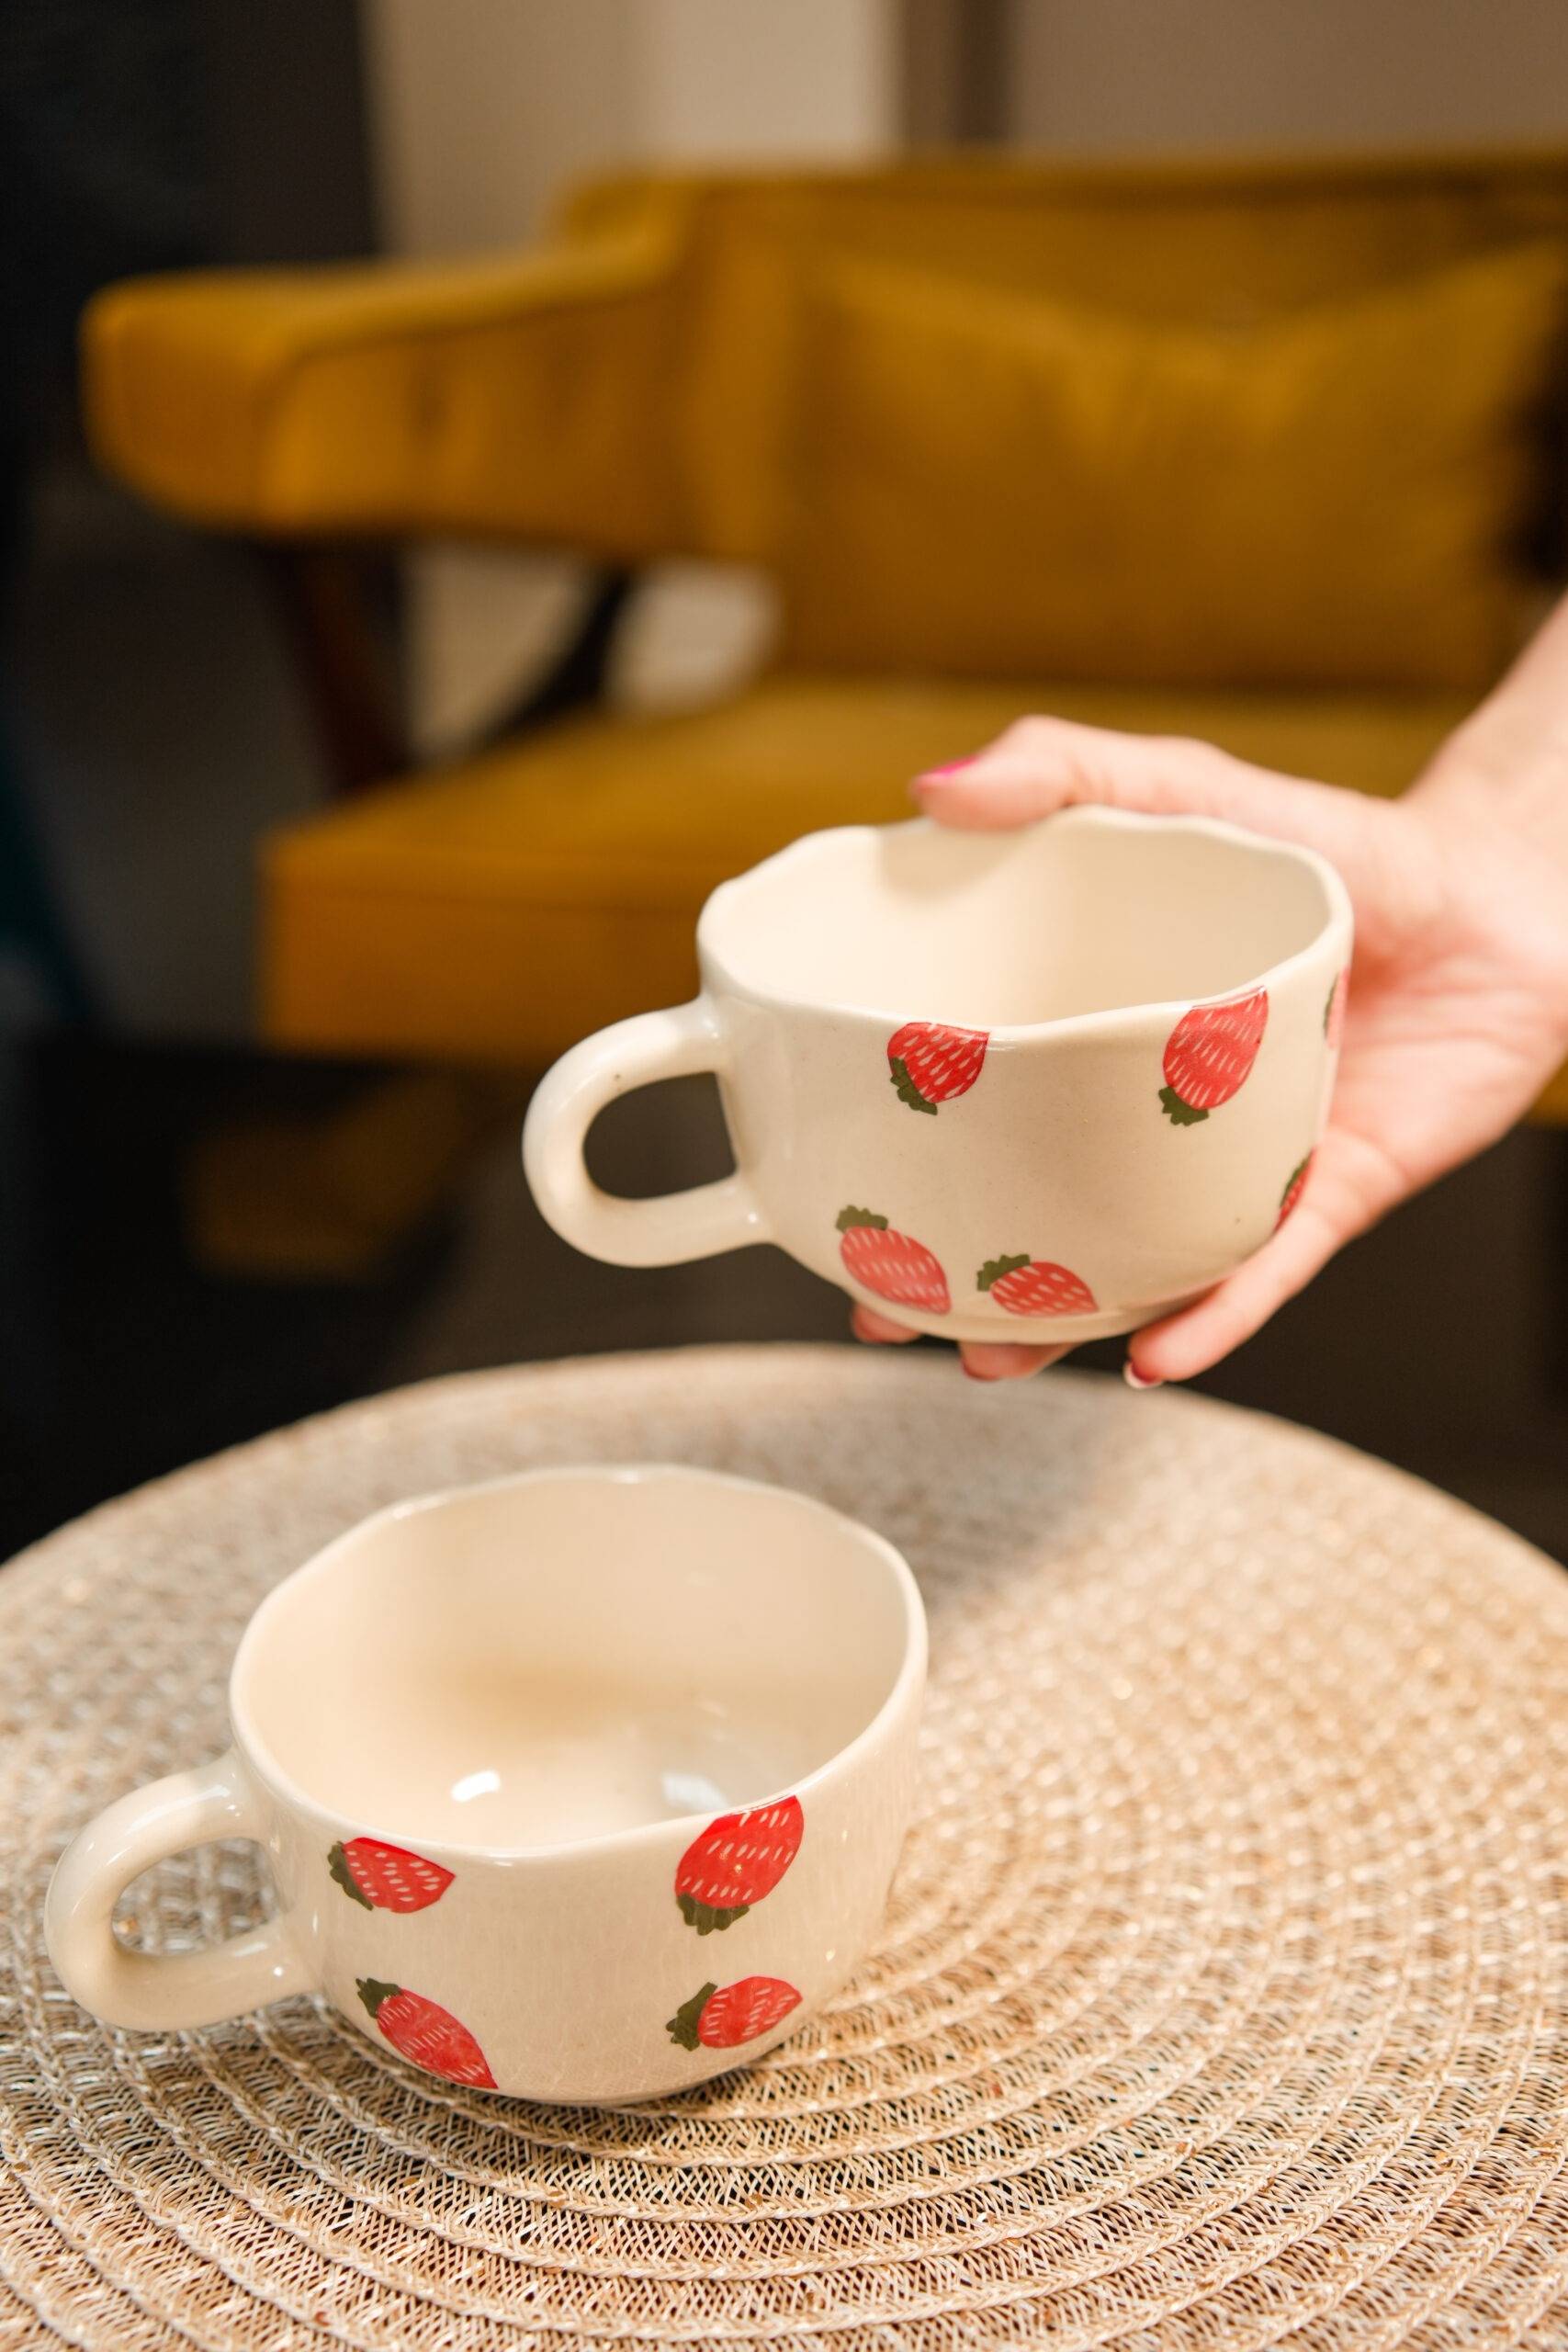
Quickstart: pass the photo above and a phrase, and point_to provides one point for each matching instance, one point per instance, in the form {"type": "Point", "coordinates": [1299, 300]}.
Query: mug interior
{"type": "Point", "coordinates": [1090, 911]}
{"type": "Point", "coordinates": [567, 1656]}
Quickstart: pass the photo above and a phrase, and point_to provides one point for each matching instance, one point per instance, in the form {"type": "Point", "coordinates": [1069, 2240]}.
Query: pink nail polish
{"type": "Point", "coordinates": [951, 767]}
{"type": "Point", "coordinates": [1134, 1379]}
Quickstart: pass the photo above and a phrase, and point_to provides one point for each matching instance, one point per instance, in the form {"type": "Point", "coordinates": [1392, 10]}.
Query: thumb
{"type": "Point", "coordinates": [1039, 766]}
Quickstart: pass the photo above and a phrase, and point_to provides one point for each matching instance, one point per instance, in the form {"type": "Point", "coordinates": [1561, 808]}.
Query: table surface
{"type": "Point", "coordinates": [1223, 2001]}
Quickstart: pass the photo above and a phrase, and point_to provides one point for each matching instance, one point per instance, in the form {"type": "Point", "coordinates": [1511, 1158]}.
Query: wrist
{"type": "Point", "coordinates": [1503, 777]}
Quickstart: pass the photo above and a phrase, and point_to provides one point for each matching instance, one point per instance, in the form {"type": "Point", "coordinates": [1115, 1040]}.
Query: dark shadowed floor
{"type": "Point", "coordinates": [1438, 1342]}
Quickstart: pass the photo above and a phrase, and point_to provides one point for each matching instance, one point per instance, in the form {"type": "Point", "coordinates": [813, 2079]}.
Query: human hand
{"type": "Point", "coordinates": [1458, 1010]}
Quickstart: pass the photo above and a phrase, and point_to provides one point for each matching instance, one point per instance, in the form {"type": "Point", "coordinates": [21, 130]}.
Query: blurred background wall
{"type": "Point", "coordinates": [1276, 73]}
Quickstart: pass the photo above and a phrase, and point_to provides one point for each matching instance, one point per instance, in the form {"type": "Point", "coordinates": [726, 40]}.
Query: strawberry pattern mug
{"type": "Point", "coordinates": [1040, 1085]}
{"type": "Point", "coordinates": [583, 1784]}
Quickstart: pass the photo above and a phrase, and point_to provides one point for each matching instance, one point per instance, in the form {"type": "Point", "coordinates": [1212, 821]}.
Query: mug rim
{"type": "Point", "coordinates": [907, 1682]}
{"type": "Point", "coordinates": [1085, 816]}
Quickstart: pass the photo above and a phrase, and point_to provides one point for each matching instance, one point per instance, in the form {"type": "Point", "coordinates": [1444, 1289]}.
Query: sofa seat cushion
{"type": "Point", "coordinates": [502, 907]}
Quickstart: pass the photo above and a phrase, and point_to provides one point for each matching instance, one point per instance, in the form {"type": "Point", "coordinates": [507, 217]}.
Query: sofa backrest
{"type": "Point", "coordinates": [1225, 243]}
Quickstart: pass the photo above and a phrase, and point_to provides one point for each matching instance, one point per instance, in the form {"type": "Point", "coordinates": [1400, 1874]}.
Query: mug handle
{"type": "Point", "coordinates": [664, 1232]}
{"type": "Point", "coordinates": [163, 1990]}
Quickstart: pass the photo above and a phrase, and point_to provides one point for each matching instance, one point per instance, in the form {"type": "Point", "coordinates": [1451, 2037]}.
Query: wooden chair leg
{"type": "Point", "coordinates": [339, 612]}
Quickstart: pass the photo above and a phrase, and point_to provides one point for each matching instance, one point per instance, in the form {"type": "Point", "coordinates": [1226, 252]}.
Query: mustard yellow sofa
{"type": "Point", "coordinates": [629, 393]}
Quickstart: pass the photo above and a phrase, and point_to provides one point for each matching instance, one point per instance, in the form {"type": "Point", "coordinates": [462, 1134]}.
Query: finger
{"type": "Point", "coordinates": [1042, 765]}
{"type": "Point", "coordinates": [1351, 1183]}
{"type": "Point", "coordinates": [877, 1331]}
{"type": "Point", "coordinates": [984, 1360]}
{"type": "Point", "coordinates": [1198, 1336]}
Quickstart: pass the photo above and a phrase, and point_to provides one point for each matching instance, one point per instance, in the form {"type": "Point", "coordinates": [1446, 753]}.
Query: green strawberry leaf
{"type": "Point", "coordinates": [705, 1918]}
{"type": "Point", "coordinates": [1179, 1113]}
{"type": "Point", "coordinates": [1328, 1007]}
{"type": "Point", "coordinates": [847, 1219]}
{"type": "Point", "coordinates": [1296, 1174]}
{"type": "Point", "coordinates": [372, 1993]}
{"type": "Point", "coordinates": [682, 2026]}
{"type": "Point", "coordinates": [995, 1268]}
{"type": "Point", "coordinates": [908, 1091]}
{"type": "Point", "coordinates": [337, 1863]}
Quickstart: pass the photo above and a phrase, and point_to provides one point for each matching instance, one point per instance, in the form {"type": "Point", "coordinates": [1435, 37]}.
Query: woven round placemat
{"type": "Point", "coordinates": [1223, 2000]}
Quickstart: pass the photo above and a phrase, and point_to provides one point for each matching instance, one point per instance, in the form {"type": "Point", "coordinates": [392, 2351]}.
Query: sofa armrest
{"type": "Point", "coordinates": [521, 398]}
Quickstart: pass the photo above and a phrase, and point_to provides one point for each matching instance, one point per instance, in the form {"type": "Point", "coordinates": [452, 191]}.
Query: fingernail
{"type": "Point", "coordinates": [1134, 1378]}
{"type": "Point", "coordinates": [950, 767]}
{"type": "Point", "coordinates": [986, 1379]}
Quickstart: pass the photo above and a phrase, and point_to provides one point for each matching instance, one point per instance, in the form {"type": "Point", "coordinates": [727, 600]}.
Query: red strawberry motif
{"type": "Point", "coordinates": [931, 1063]}
{"type": "Point", "coordinates": [1292, 1191]}
{"type": "Point", "coordinates": [1334, 1011]}
{"type": "Point", "coordinates": [1027, 1285]}
{"type": "Point", "coordinates": [423, 2031]}
{"type": "Point", "coordinates": [1209, 1054]}
{"type": "Point", "coordinates": [738, 1860]}
{"type": "Point", "coordinates": [387, 1878]}
{"type": "Point", "coordinates": [890, 1263]}
{"type": "Point", "coordinates": [723, 2020]}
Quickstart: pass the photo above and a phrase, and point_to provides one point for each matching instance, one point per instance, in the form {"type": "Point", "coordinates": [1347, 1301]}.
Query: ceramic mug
{"type": "Point", "coordinates": [583, 1785]}
{"type": "Point", "coordinates": [1040, 1085]}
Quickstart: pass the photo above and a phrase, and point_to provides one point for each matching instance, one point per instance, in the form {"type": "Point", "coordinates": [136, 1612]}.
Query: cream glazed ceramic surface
{"type": "Point", "coordinates": [583, 1785]}
{"type": "Point", "coordinates": [1048, 1083]}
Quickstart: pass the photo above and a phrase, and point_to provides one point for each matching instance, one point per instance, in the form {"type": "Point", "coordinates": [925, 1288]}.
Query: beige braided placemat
{"type": "Point", "coordinates": [1223, 2001]}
